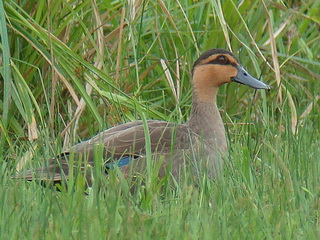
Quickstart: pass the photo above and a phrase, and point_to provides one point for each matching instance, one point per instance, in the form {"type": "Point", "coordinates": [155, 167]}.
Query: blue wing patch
{"type": "Point", "coordinates": [120, 163]}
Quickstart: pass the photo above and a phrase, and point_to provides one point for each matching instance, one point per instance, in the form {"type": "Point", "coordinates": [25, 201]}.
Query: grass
{"type": "Point", "coordinates": [70, 69]}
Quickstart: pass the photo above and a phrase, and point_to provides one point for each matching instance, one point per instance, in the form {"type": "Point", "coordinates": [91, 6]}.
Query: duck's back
{"type": "Point", "coordinates": [134, 138]}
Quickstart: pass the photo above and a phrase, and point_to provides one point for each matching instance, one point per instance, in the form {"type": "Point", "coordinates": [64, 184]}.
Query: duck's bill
{"type": "Point", "coordinates": [245, 78]}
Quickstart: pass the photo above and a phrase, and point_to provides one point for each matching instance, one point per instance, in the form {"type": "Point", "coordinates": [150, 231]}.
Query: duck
{"type": "Point", "coordinates": [126, 147]}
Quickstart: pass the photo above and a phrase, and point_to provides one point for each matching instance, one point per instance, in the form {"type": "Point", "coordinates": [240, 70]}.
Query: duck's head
{"type": "Point", "coordinates": [218, 66]}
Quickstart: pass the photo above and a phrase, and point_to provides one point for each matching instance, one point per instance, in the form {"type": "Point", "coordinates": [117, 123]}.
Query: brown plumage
{"type": "Point", "coordinates": [203, 136]}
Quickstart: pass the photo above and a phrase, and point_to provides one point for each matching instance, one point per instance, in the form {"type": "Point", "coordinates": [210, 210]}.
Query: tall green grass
{"type": "Point", "coordinates": [70, 69]}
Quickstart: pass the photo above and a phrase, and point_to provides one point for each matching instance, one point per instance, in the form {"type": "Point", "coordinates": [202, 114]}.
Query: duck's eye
{"type": "Point", "coordinates": [222, 59]}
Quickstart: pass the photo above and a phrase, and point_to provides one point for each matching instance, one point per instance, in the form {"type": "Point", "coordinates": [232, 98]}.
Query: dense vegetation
{"type": "Point", "coordinates": [70, 69]}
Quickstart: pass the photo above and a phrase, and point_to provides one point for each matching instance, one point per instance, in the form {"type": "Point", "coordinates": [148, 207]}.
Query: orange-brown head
{"type": "Point", "coordinates": [216, 67]}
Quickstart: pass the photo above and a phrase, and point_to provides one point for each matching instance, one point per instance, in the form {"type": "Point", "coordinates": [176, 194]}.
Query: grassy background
{"type": "Point", "coordinates": [70, 69]}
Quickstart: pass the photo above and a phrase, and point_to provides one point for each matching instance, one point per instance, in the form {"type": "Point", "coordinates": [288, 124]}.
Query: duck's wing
{"type": "Point", "coordinates": [131, 139]}
{"type": "Point", "coordinates": [117, 146]}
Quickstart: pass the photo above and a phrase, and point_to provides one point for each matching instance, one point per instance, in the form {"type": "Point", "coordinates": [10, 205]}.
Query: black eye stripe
{"type": "Point", "coordinates": [203, 58]}
{"type": "Point", "coordinates": [217, 61]}
{"type": "Point", "coordinates": [221, 60]}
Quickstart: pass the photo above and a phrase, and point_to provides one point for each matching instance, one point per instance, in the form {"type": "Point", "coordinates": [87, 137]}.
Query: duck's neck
{"type": "Point", "coordinates": [205, 118]}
